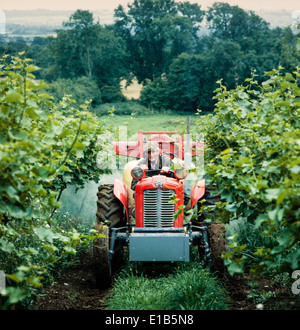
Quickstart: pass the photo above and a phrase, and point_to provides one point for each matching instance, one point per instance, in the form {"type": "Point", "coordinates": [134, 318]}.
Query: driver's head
{"type": "Point", "coordinates": [151, 151]}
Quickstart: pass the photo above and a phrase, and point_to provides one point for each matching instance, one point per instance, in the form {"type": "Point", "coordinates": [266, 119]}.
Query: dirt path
{"type": "Point", "coordinates": [76, 290]}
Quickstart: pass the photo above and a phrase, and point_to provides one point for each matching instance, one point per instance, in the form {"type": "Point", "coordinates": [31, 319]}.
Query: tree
{"type": "Point", "coordinates": [75, 45]}
{"type": "Point", "coordinates": [85, 48]}
{"type": "Point", "coordinates": [82, 89]}
{"type": "Point", "coordinates": [156, 31]}
{"type": "Point", "coordinates": [226, 62]}
{"type": "Point", "coordinates": [191, 78]}
{"type": "Point", "coordinates": [287, 50]}
{"type": "Point", "coordinates": [235, 24]}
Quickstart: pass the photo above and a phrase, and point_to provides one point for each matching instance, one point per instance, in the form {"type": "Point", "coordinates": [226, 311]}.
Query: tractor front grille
{"type": "Point", "coordinates": [157, 211]}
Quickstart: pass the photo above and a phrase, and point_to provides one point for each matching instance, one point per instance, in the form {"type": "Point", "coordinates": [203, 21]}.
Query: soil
{"type": "Point", "coordinates": [251, 293]}
{"type": "Point", "coordinates": [76, 290]}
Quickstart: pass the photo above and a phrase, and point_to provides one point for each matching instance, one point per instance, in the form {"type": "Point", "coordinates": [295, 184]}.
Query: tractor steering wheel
{"type": "Point", "coordinates": [151, 173]}
{"type": "Point", "coordinates": [170, 154]}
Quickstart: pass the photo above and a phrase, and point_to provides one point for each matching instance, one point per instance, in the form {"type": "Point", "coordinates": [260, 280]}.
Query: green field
{"type": "Point", "coordinates": [154, 122]}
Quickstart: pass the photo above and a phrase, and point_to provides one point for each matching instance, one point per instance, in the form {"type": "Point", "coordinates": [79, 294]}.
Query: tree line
{"type": "Point", "coordinates": [176, 50]}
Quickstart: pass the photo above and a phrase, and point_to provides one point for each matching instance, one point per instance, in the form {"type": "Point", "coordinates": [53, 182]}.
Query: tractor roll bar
{"type": "Point", "coordinates": [163, 135]}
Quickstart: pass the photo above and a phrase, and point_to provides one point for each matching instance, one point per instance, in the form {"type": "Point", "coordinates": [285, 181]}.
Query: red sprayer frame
{"type": "Point", "coordinates": [166, 144]}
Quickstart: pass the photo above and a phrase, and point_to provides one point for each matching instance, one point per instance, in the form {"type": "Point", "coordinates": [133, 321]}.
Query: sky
{"type": "Point", "coordinates": [256, 5]}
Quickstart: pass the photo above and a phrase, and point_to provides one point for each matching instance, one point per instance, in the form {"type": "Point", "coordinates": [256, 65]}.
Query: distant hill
{"type": "Point", "coordinates": [50, 17]}
{"type": "Point", "coordinates": [45, 22]}
{"type": "Point", "coordinates": [281, 18]}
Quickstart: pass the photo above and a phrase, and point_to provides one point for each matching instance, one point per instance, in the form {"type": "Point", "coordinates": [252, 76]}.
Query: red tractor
{"type": "Point", "coordinates": [150, 220]}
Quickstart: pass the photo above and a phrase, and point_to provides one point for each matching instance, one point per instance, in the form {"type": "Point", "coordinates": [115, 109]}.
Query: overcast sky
{"type": "Point", "coordinates": [112, 4]}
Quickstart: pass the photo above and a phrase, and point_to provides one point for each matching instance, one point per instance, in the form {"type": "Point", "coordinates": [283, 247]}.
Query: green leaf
{"type": "Point", "coordinates": [44, 234]}
{"type": "Point", "coordinates": [16, 211]}
{"type": "Point", "coordinates": [70, 249]}
{"type": "Point", "coordinates": [41, 172]}
{"type": "Point", "coordinates": [295, 169]}
{"type": "Point", "coordinates": [31, 113]}
{"type": "Point", "coordinates": [285, 238]}
{"type": "Point", "coordinates": [31, 250]}
{"type": "Point", "coordinates": [50, 248]}
{"type": "Point", "coordinates": [283, 194]}
{"type": "Point", "coordinates": [177, 213]}
{"type": "Point", "coordinates": [272, 214]}
{"type": "Point", "coordinates": [226, 151]}
{"type": "Point", "coordinates": [31, 68]}
{"type": "Point", "coordinates": [6, 246]}
{"type": "Point", "coordinates": [65, 132]}
{"type": "Point", "coordinates": [17, 277]}
{"type": "Point", "coordinates": [34, 281]}
{"type": "Point", "coordinates": [262, 184]}
{"type": "Point", "coordinates": [235, 269]}
{"type": "Point", "coordinates": [15, 294]}
{"type": "Point", "coordinates": [289, 76]}
{"type": "Point", "coordinates": [12, 97]}
{"type": "Point", "coordinates": [260, 219]}
{"type": "Point", "coordinates": [272, 194]}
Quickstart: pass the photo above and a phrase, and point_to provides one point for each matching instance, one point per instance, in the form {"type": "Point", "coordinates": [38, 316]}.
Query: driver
{"type": "Point", "coordinates": [153, 160]}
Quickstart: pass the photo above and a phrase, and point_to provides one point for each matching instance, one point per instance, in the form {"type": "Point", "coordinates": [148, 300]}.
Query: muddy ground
{"type": "Point", "coordinates": [76, 290]}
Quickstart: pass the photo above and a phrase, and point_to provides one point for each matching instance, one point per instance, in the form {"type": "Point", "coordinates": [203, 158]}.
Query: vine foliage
{"type": "Point", "coordinates": [253, 156]}
{"type": "Point", "coordinates": [44, 147]}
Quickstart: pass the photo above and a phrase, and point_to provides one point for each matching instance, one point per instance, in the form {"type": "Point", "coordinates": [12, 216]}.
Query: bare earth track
{"type": "Point", "coordinates": [76, 290]}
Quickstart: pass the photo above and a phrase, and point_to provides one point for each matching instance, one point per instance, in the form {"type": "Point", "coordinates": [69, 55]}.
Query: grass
{"type": "Point", "coordinates": [153, 122]}
{"type": "Point", "coordinates": [167, 286]}
{"type": "Point", "coordinates": [186, 287]}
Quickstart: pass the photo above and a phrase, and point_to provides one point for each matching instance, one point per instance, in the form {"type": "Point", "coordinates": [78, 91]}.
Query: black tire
{"type": "Point", "coordinates": [217, 242]}
{"type": "Point", "coordinates": [211, 198]}
{"type": "Point", "coordinates": [102, 266]}
{"type": "Point", "coordinates": [109, 214]}
{"type": "Point", "coordinates": [109, 208]}
{"type": "Point", "coordinates": [216, 235]}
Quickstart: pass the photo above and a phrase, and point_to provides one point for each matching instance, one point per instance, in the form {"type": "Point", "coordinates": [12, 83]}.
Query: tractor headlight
{"type": "Point", "coordinates": [181, 173]}
{"type": "Point", "coordinates": [137, 172]}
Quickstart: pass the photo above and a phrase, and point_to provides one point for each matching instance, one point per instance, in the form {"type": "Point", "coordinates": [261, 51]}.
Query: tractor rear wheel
{"type": "Point", "coordinates": [102, 266]}
{"type": "Point", "coordinates": [216, 235]}
{"type": "Point", "coordinates": [109, 214]}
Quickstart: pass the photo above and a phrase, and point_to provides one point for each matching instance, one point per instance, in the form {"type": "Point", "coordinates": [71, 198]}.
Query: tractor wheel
{"type": "Point", "coordinates": [109, 208]}
{"type": "Point", "coordinates": [210, 199]}
{"type": "Point", "coordinates": [102, 266]}
{"type": "Point", "coordinates": [109, 214]}
{"type": "Point", "coordinates": [216, 235]}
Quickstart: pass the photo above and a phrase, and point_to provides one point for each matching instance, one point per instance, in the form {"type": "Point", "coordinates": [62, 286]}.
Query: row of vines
{"type": "Point", "coordinates": [45, 145]}
{"type": "Point", "coordinates": [253, 157]}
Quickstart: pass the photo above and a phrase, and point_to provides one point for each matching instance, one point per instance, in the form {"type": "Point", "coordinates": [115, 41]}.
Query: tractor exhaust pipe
{"type": "Point", "coordinates": [187, 162]}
